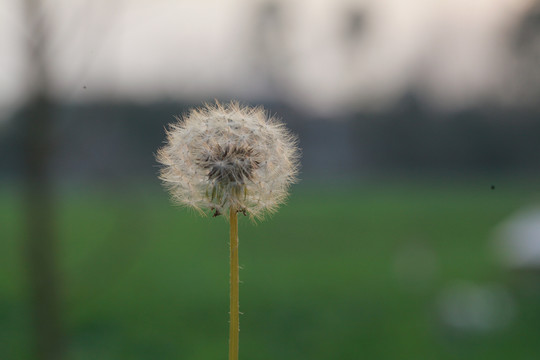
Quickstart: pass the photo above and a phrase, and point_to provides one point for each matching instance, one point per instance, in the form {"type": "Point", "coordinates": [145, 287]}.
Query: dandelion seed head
{"type": "Point", "coordinates": [223, 156]}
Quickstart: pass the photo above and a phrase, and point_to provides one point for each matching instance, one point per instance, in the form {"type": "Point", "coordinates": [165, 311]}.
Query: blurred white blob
{"type": "Point", "coordinates": [517, 240]}
{"type": "Point", "coordinates": [469, 307]}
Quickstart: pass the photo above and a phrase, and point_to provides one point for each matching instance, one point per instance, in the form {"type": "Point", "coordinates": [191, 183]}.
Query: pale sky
{"type": "Point", "coordinates": [453, 52]}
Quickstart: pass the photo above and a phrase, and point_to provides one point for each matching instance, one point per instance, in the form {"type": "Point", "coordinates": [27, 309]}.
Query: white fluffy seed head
{"type": "Point", "coordinates": [226, 156]}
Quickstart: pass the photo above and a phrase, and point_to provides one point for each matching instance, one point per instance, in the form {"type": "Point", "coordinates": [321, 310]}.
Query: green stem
{"type": "Point", "coordinates": [234, 324]}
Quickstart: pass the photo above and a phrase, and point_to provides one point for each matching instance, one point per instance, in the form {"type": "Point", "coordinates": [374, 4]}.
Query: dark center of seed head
{"type": "Point", "coordinates": [230, 164]}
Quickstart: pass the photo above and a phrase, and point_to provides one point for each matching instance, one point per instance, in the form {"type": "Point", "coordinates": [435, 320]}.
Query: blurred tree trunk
{"type": "Point", "coordinates": [40, 244]}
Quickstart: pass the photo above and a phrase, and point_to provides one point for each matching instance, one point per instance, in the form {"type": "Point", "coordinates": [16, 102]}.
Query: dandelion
{"type": "Point", "coordinates": [229, 159]}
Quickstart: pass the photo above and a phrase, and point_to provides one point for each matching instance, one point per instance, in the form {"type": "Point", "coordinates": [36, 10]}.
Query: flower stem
{"type": "Point", "coordinates": [234, 323]}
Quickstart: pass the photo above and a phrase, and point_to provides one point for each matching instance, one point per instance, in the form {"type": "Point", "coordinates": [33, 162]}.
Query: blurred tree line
{"type": "Point", "coordinates": [117, 141]}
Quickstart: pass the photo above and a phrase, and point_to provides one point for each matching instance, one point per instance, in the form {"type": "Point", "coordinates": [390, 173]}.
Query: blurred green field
{"type": "Point", "coordinates": [321, 278]}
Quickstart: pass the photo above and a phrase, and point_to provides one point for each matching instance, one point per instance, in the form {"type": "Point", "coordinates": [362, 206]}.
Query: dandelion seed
{"type": "Point", "coordinates": [227, 156]}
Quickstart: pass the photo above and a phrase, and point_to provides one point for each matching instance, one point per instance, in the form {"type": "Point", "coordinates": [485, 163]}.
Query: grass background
{"type": "Point", "coordinates": [320, 280]}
